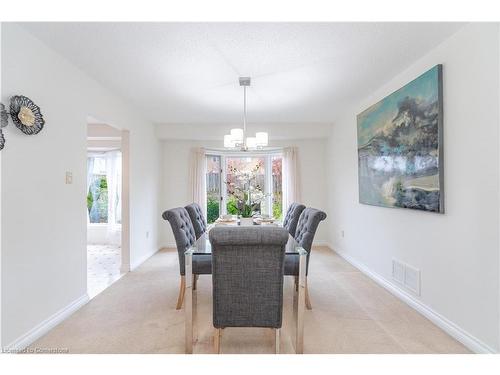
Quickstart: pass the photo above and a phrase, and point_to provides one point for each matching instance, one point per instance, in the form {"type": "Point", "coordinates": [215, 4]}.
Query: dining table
{"type": "Point", "coordinates": [202, 247]}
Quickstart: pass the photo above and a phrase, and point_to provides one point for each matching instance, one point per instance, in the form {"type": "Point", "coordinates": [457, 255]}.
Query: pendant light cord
{"type": "Point", "coordinates": [244, 113]}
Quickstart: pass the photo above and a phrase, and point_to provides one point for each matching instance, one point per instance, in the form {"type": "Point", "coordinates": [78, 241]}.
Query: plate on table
{"type": "Point", "coordinates": [264, 220]}
{"type": "Point", "coordinates": [226, 219]}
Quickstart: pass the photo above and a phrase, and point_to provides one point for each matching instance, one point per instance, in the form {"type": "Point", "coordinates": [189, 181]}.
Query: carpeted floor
{"type": "Point", "coordinates": [351, 314]}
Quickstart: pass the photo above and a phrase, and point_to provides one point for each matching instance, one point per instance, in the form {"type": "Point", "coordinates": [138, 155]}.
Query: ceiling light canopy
{"type": "Point", "coordinates": [237, 138]}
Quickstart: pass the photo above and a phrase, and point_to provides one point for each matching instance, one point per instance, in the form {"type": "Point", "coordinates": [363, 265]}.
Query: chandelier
{"type": "Point", "coordinates": [238, 139]}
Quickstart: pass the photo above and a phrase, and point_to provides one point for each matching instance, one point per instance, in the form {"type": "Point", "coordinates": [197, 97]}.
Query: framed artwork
{"type": "Point", "coordinates": [400, 147]}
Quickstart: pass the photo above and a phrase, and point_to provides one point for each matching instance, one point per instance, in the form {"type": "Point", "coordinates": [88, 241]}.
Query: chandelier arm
{"type": "Point", "coordinates": [238, 137]}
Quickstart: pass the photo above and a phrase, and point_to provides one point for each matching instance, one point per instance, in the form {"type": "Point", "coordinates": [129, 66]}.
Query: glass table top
{"type": "Point", "coordinates": [203, 246]}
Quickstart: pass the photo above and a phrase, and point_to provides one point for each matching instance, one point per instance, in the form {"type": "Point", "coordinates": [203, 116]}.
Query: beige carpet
{"type": "Point", "coordinates": [351, 314]}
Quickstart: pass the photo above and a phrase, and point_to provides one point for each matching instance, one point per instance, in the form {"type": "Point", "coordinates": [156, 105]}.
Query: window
{"type": "Point", "coordinates": [104, 188]}
{"type": "Point", "coordinates": [97, 195]}
{"type": "Point", "coordinates": [277, 177]}
{"type": "Point", "coordinates": [213, 187]}
{"type": "Point", "coordinates": [244, 185]}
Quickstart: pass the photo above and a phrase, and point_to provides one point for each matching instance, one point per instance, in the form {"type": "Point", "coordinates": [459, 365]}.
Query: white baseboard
{"type": "Point", "coordinates": [471, 342]}
{"type": "Point", "coordinates": [41, 329]}
{"type": "Point", "coordinates": [137, 263]}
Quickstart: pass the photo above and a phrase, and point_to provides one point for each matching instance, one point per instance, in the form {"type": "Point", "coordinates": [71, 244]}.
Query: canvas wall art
{"type": "Point", "coordinates": [400, 147]}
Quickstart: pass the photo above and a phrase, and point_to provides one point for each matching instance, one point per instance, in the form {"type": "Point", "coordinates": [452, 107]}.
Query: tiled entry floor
{"type": "Point", "coordinates": [103, 267]}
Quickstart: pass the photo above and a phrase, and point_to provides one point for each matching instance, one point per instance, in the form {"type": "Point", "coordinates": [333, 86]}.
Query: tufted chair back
{"type": "Point", "coordinates": [197, 218]}
{"type": "Point", "coordinates": [183, 232]}
{"type": "Point", "coordinates": [306, 229]}
{"type": "Point", "coordinates": [292, 217]}
{"type": "Point", "coordinates": [247, 276]}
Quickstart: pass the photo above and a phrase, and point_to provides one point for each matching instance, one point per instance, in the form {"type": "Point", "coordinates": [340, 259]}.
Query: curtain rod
{"type": "Point", "coordinates": [91, 152]}
{"type": "Point", "coordinates": [226, 151]}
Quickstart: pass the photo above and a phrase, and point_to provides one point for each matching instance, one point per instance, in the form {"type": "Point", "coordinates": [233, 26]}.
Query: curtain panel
{"type": "Point", "coordinates": [291, 180]}
{"type": "Point", "coordinates": [197, 178]}
{"type": "Point", "coordinates": [90, 175]}
{"type": "Point", "coordinates": [113, 176]}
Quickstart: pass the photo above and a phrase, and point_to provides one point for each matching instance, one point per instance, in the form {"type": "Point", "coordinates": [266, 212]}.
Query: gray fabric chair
{"type": "Point", "coordinates": [304, 235]}
{"type": "Point", "coordinates": [292, 217]}
{"type": "Point", "coordinates": [185, 237]}
{"type": "Point", "coordinates": [247, 277]}
{"type": "Point", "coordinates": [197, 218]}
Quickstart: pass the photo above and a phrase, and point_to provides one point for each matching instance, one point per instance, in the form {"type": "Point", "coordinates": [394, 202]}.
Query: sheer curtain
{"type": "Point", "coordinates": [113, 177]}
{"type": "Point", "coordinates": [291, 181]}
{"type": "Point", "coordinates": [197, 178]}
{"type": "Point", "coordinates": [96, 166]}
{"type": "Point", "coordinates": [90, 175]}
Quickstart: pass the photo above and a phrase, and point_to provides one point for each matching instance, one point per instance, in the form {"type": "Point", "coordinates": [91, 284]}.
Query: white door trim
{"type": "Point", "coordinates": [125, 249]}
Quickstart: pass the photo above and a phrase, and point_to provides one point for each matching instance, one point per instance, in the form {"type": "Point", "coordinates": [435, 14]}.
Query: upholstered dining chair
{"type": "Point", "coordinates": [247, 278]}
{"type": "Point", "coordinates": [184, 234]}
{"type": "Point", "coordinates": [292, 217]}
{"type": "Point", "coordinates": [304, 235]}
{"type": "Point", "coordinates": [197, 218]}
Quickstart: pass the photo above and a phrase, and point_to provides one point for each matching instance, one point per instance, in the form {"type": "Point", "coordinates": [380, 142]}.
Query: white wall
{"type": "Point", "coordinates": [175, 177]}
{"type": "Point", "coordinates": [97, 234]}
{"type": "Point", "coordinates": [457, 252]}
{"type": "Point", "coordinates": [1, 275]}
{"type": "Point", "coordinates": [44, 220]}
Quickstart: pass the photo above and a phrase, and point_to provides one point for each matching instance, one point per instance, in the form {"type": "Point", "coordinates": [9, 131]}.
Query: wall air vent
{"type": "Point", "coordinates": [406, 276]}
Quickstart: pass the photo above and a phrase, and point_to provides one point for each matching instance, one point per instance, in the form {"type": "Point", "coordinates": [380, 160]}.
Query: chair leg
{"type": "Point", "coordinates": [182, 291]}
{"type": "Point", "coordinates": [195, 279]}
{"type": "Point", "coordinates": [277, 334]}
{"type": "Point", "coordinates": [217, 337]}
{"type": "Point", "coordinates": [296, 280]}
{"type": "Point", "coordinates": [308, 300]}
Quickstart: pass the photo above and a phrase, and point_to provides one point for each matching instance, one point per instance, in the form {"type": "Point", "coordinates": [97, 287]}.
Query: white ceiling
{"type": "Point", "coordinates": [188, 72]}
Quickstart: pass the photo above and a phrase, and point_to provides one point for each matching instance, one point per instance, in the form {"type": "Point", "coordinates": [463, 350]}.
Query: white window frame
{"type": "Point", "coordinates": [268, 186]}
{"type": "Point", "coordinates": [221, 184]}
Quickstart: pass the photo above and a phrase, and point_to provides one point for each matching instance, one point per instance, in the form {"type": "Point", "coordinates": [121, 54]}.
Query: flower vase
{"type": "Point", "coordinates": [245, 221]}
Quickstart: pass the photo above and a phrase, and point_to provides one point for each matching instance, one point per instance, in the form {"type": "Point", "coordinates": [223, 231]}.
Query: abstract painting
{"type": "Point", "coordinates": [400, 157]}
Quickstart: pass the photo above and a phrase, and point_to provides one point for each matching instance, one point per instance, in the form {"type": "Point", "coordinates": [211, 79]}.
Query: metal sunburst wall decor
{"type": "Point", "coordinates": [4, 118]}
{"type": "Point", "coordinates": [25, 114]}
{"type": "Point", "coordinates": [2, 140]}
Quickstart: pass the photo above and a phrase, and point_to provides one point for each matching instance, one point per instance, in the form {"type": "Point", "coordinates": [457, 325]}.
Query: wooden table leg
{"type": "Point", "coordinates": [217, 337]}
